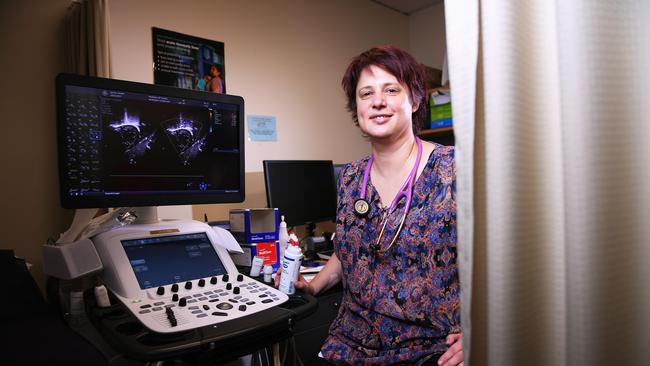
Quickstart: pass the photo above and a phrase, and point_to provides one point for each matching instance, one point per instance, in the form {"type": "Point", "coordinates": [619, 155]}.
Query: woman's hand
{"type": "Point", "coordinates": [300, 284]}
{"type": "Point", "coordinates": [454, 354]}
{"type": "Point", "coordinates": [329, 276]}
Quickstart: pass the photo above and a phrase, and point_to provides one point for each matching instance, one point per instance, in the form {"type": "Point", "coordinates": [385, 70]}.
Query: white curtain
{"type": "Point", "coordinates": [87, 38]}
{"type": "Point", "coordinates": [552, 121]}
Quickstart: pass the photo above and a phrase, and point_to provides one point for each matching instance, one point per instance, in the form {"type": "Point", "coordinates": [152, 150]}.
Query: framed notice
{"type": "Point", "coordinates": [188, 62]}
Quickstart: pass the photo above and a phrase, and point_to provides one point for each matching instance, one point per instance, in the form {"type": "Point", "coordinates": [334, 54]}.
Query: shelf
{"type": "Point", "coordinates": [433, 132]}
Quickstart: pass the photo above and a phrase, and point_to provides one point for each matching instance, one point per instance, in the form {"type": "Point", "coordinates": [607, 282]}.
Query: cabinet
{"type": "Point", "coordinates": [310, 332]}
{"type": "Point", "coordinates": [444, 135]}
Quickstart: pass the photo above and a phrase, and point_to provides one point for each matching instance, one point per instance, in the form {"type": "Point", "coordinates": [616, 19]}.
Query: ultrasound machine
{"type": "Point", "coordinates": [174, 287]}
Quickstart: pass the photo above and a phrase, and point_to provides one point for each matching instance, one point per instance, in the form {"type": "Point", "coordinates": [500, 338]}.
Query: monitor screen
{"type": "Point", "coordinates": [302, 190]}
{"type": "Point", "coordinates": [160, 261]}
{"type": "Point", "coordinates": [131, 144]}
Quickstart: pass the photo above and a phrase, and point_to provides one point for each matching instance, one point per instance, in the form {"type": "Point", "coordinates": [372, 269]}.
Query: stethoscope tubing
{"type": "Point", "coordinates": [407, 187]}
{"type": "Point", "coordinates": [405, 191]}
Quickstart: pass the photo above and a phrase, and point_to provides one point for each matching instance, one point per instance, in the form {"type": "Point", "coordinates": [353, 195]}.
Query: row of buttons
{"type": "Point", "coordinates": [160, 291]}
{"type": "Point", "coordinates": [212, 296]}
{"type": "Point", "coordinates": [225, 306]}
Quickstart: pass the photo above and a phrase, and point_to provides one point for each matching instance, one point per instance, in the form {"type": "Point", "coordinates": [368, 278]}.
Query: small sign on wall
{"type": "Point", "coordinates": [261, 128]}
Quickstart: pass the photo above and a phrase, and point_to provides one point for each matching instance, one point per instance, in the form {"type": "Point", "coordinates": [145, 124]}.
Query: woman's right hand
{"type": "Point", "coordinates": [329, 276]}
{"type": "Point", "coordinates": [300, 284]}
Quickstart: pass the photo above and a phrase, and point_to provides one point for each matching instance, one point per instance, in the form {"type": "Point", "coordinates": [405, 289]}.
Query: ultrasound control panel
{"type": "Point", "coordinates": [201, 302]}
{"type": "Point", "coordinates": [174, 276]}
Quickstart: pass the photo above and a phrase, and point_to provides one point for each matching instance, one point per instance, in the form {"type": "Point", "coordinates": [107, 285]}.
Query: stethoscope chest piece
{"type": "Point", "coordinates": [361, 207]}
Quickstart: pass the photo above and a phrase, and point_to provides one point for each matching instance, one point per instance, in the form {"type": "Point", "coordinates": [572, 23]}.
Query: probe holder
{"type": "Point", "coordinates": [71, 260]}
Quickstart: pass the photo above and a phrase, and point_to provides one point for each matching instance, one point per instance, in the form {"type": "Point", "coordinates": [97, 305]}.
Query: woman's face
{"type": "Point", "coordinates": [384, 108]}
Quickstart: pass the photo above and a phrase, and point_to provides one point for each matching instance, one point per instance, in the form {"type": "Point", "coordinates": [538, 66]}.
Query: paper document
{"type": "Point", "coordinates": [312, 266]}
{"type": "Point", "coordinates": [226, 240]}
{"type": "Point", "coordinates": [439, 99]}
{"type": "Point", "coordinates": [310, 269]}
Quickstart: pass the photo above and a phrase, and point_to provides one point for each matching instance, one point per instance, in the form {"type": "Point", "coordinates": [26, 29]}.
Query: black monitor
{"type": "Point", "coordinates": [302, 190]}
{"type": "Point", "coordinates": [122, 144]}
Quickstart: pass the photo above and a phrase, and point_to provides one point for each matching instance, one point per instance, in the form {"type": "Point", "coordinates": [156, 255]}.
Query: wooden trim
{"type": "Point", "coordinates": [431, 132]}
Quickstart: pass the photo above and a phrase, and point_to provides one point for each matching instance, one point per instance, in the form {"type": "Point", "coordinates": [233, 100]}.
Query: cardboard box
{"type": "Point", "coordinates": [254, 225]}
{"type": "Point", "coordinates": [270, 251]}
{"type": "Point", "coordinates": [442, 111]}
{"type": "Point", "coordinates": [440, 123]}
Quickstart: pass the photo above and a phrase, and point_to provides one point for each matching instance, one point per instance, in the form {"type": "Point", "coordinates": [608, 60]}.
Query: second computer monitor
{"type": "Point", "coordinates": [302, 190]}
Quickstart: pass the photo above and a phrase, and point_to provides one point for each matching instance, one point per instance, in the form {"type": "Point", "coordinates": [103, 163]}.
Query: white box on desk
{"type": "Point", "coordinates": [254, 225]}
{"type": "Point", "coordinates": [270, 251]}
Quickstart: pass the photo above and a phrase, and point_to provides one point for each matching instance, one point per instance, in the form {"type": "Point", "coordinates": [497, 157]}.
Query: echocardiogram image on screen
{"type": "Point", "coordinates": [119, 143]}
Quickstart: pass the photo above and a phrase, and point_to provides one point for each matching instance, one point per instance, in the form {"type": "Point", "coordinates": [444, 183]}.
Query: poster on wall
{"type": "Point", "coordinates": [188, 62]}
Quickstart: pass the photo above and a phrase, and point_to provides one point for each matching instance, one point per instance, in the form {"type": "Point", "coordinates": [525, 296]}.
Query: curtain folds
{"type": "Point", "coordinates": [87, 38]}
{"type": "Point", "coordinates": [551, 116]}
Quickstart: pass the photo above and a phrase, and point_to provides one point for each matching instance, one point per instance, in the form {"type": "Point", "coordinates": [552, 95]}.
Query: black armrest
{"type": "Point", "coordinates": [301, 304]}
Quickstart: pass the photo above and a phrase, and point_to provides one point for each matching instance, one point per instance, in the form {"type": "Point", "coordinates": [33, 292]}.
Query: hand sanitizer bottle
{"type": "Point", "coordinates": [283, 237]}
{"type": "Point", "coordinates": [290, 266]}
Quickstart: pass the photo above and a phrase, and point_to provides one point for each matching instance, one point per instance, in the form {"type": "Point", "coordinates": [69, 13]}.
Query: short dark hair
{"type": "Point", "coordinates": [397, 62]}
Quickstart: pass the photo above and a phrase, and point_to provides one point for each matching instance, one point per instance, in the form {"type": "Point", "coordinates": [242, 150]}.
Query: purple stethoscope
{"type": "Point", "coordinates": [361, 206]}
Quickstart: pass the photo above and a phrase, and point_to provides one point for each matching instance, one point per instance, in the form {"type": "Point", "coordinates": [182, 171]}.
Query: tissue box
{"type": "Point", "coordinates": [254, 225]}
{"type": "Point", "coordinates": [270, 251]}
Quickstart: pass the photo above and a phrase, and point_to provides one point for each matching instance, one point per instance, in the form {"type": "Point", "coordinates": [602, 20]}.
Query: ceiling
{"type": "Point", "coordinates": [407, 7]}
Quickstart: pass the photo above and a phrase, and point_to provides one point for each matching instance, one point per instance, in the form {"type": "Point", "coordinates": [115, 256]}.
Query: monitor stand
{"type": "Point", "coordinates": [310, 229]}
{"type": "Point", "coordinates": [313, 243]}
{"type": "Point", "coordinates": [146, 215]}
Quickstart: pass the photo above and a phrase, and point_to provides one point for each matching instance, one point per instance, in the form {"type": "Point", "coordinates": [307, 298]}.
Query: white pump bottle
{"type": "Point", "coordinates": [290, 266]}
{"type": "Point", "coordinates": [283, 237]}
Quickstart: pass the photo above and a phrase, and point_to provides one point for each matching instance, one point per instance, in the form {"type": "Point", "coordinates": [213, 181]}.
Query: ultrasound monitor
{"type": "Point", "coordinates": [302, 190]}
{"type": "Point", "coordinates": [123, 143]}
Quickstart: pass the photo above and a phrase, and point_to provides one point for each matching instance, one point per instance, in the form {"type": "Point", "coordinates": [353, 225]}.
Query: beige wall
{"type": "Point", "coordinates": [284, 57]}
{"type": "Point", "coordinates": [31, 41]}
{"type": "Point", "coordinates": [427, 35]}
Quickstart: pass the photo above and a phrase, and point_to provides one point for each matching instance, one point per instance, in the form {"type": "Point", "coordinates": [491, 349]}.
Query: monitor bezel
{"type": "Point", "coordinates": [146, 199]}
{"type": "Point", "coordinates": [267, 184]}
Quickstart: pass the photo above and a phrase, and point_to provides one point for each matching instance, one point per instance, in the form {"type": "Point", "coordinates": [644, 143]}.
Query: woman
{"type": "Point", "coordinates": [395, 243]}
{"type": "Point", "coordinates": [215, 84]}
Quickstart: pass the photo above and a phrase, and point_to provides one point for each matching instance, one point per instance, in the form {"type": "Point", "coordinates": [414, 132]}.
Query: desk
{"type": "Point", "coordinates": [310, 332]}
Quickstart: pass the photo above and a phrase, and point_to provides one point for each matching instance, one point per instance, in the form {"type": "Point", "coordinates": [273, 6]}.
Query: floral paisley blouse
{"type": "Point", "coordinates": [399, 306]}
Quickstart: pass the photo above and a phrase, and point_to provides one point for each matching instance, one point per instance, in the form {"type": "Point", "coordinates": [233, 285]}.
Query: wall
{"type": "Point", "coordinates": [31, 40]}
{"type": "Point", "coordinates": [427, 35]}
{"type": "Point", "coordinates": [285, 57]}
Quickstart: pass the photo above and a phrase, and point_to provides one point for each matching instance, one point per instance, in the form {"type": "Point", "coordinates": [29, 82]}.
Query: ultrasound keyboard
{"type": "Point", "coordinates": [173, 277]}
{"type": "Point", "coordinates": [201, 302]}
